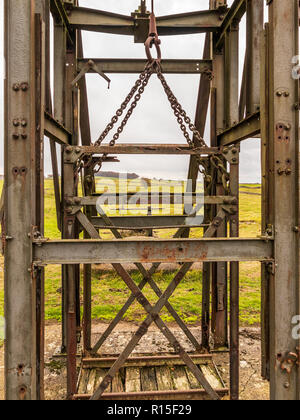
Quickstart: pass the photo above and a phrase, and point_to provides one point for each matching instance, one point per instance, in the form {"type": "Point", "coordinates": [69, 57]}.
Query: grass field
{"type": "Point", "coordinates": [109, 291]}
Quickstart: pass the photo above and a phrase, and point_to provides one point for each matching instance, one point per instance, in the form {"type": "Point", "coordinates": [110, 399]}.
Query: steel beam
{"type": "Point", "coordinates": [245, 129]}
{"type": "Point", "coordinates": [181, 24]}
{"type": "Point", "coordinates": [146, 222]}
{"type": "Point", "coordinates": [255, 21]}
{"type": "Point", "coordinates": [55, 131]}
{"type": "Point", "coordinates": [20, 211]}
{"type": "Point", "coordinates": [132, 66]}
{"type": "Point", "coordinates": [283, 143]}
{"type": "Point", "coordinates": [234, 15]}
{"type": "Point", "coordinates": [151, 250]}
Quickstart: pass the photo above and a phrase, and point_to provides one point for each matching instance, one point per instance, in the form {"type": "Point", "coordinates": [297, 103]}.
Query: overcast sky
{"type": "Point", "coordinates": [153, 120]}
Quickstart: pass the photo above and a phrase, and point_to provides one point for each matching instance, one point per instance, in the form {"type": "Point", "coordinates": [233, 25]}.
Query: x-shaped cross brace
{"type": "Point", "coordinates": [152, 317]}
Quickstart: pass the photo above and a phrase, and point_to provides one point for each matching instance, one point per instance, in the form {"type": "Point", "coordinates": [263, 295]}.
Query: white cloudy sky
{"type": "Point", "coordinates": [153, 120]}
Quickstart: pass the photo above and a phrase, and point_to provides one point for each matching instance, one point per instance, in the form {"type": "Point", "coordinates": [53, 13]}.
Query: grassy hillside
{"type": "Point", "coordinates": [109, 291]}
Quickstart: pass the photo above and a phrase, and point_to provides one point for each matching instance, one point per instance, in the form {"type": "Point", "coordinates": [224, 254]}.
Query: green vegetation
{"type": "Point", "coordinates": [110, 292]}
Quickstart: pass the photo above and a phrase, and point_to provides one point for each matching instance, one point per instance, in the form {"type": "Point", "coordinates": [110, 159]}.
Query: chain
{"type": "Point", "coordinates": [139, 86]}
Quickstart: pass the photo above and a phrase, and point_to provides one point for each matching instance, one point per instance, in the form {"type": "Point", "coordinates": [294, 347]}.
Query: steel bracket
{"type": "Point", "coordinates": [231, 154]}
{"type": "Point", "coordinates": [91, 66]}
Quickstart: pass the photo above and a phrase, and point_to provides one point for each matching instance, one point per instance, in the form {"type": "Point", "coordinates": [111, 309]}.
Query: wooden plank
{"type": "Point", "coordinates": [133, 380]}
{"type": "Point", "coordinates": [117, 384]}
{"type": "Point", "coordinates": [211, 377]}
{"type": "Point", "coordinates": [148, 379]}
{"type": "Point", "coordinates": [146, 361]}
{"type": "Point", "coordinates": [180, 378]}
{"type": "Point", "coordinates": [83, 381]}
{"type": "Point", "coordinates": [101, 373]}
{"type": "Point", "coordinates": [91, 381]}
{"type": "Point", "coordinates": [194, 384]}
{"type": "Point", "coordinates": [164, 378]}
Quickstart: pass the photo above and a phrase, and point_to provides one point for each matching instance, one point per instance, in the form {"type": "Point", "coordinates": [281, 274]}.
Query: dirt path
{"type": "Point", "coordinates": [252, 386]}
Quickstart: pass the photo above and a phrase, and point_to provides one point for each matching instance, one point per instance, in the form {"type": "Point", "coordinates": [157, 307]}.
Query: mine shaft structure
{"type": "Point", "coordinates": [266, 109]}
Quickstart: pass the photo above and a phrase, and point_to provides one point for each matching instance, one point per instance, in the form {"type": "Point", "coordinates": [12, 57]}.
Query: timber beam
{"type": "Point", "coordinates": [245, 129]}
{"type": "Point", "coordinates": [55, 131]}
{"type": "Point", "coordinates": [151, 251]}
{"type": "Point", "coordinates": [112, 23]}
{"type": "Point", "coordinates": [132, 66]}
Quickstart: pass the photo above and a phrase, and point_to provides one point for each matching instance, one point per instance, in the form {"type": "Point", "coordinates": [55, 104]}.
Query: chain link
{"type": "Point", "coordinates": [183, 120]}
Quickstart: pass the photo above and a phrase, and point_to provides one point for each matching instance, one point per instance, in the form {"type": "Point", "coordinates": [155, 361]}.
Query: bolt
{"type": "Point", "coordinates": [234, 150]}
{"type": "Point", "coordinates": [69, 149]}
{"type": "Point", "coordinates": [24, 87]}
{"type": "Point", "coordinates": [16, 123]}
{"type": "Point", "coordinates": [77, 150]}
{"type": "Point", "coordinates": [16, 136]}
{"type": "Point", "coordinates": [296, 229]}
{"type": "Point", "coordinates": [24, 123]}
{"type": "Point", "coordinates": [24, 136]}
{"type": "Point", "coordinates": [16, 87]}
{"type": "Point", "coordinates": [279, 94]}
{"type": "Point", "coordinates": [234, 160]}
{"type": "Point", "coordinates": [286, 385]}
{"type": "Point", "coordinates": [288, 171]}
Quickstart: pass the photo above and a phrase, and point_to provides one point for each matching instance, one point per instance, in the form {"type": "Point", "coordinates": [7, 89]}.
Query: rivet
{"type": "Point", "coordinates": [16, 87]}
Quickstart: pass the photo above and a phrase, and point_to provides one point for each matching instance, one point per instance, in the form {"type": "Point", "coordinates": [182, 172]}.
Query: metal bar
{"type": "Point", "coordinates": [255, 21]}
{"type": "Point", "coordinates": [231, 118]}
{"type": "Point", "coordinates": [191, 394]}
{"type": "Point", "coordinates": [245, 129]}
{"type": "Point", "coordinates": [20, 184]}
{"type": "Point", "coordinates": [132, 66]}
{"type": "Point", "coordinates": [152, 317]}
{"type": "Point", "coordinates": [181, 24]}
{"type": "Point", "coordinates": [284, 158]}
{"type": "Point", "coordinates": [234, 16]}
{"type": "Point", "coordinates": [146, 222]}
{"type": "Point", "coordinates": [159, 198]}
{"type": "Point", "coordinates": [39, 274]}
{"type": "Point", "coordinates": [55, 131]}
{"type": "Point", "coordinates": [148, 149]}
{"type": "Point", "coordinates": [152, 250]}
{"type": "Point", "coordinates": [267, 207]}
{"type": "Point", "coordinates": [155, 288]}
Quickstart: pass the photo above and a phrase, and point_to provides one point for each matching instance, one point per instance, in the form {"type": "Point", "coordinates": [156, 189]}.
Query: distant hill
{"type": "Point", "coordinates": [110, 174]}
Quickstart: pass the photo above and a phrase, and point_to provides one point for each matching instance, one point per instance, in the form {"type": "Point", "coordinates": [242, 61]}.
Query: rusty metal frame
{"type": "Point", "coordinates": [268, 109]}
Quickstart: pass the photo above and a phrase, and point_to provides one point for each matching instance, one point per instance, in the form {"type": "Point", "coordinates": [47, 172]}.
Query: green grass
{"type": "Point", "coordinates": [109, 292]}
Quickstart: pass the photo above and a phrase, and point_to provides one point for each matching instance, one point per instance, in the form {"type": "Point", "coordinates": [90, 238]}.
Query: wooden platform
{"type": "Point", "coordinates": [150, 377]}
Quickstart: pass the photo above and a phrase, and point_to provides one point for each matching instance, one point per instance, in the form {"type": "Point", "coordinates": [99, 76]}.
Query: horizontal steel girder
{"type": "Point", "coordinates": [132, 66]}
{"type": "Point", "coordinates": [181, 24]}
{"type": "Point", "coordinates": [245, 129]}
{"type": "Point", "coordinates": [151, 251]}
{"type": "Point", "coordinates": [145, 222]}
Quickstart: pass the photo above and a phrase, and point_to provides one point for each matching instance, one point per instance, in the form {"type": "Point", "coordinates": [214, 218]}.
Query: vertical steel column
{"type": "Point", "coordinates": [255, 21]}
{"type": "Point", "coordinates": [267, 203]}
{"type": "Point", "coordinates": [39, 273]}
{"type": "Point", "coordinates": [60, 44]}
{"type": "Point", "coordinates": [69, 222]}
{"type": "Point", "coordinates": [232, 116]}
{"type": "Point", "coordinates": [219, 270]}
{"type": "Point", "coordinates": [20, 184]}
{"type": "Point", "coordinates": [284, 149]}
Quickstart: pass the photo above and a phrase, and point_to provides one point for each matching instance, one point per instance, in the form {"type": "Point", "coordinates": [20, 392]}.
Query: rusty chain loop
{"type": "Point", "coordinates": [153, 66]}
{"type": "Point", "coordinates": [140, 85]}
